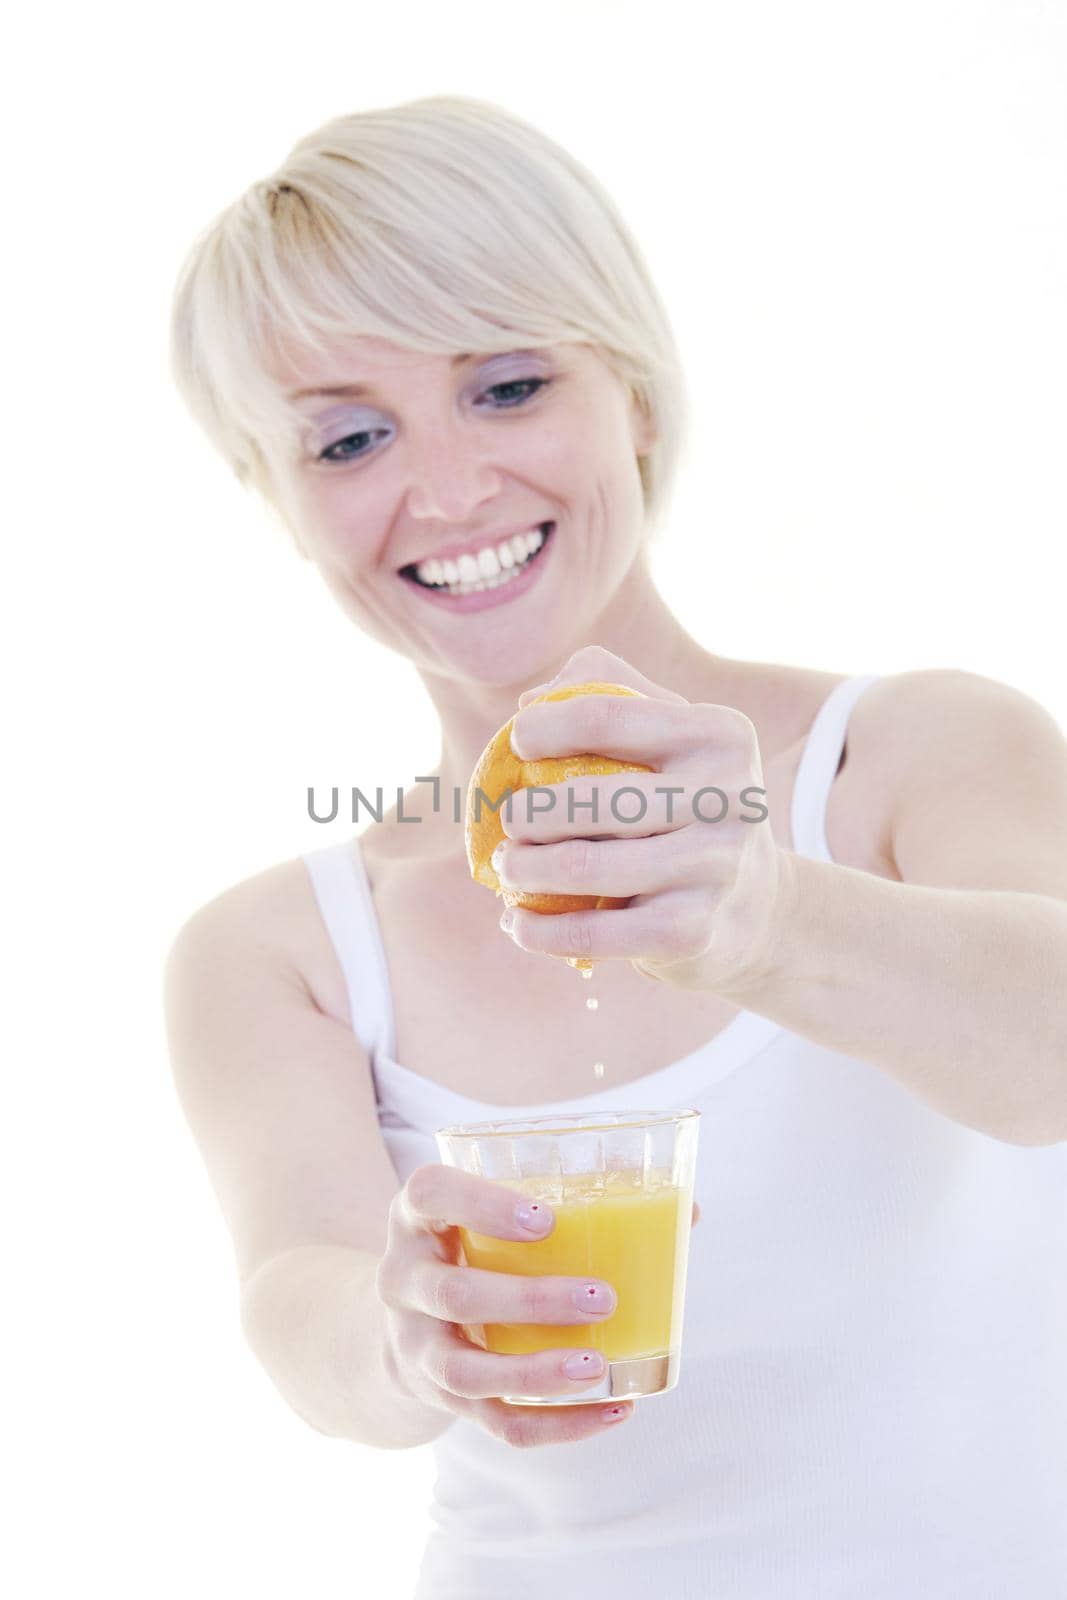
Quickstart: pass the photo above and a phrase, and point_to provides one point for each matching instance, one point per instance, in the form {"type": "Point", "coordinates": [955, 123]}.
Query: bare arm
{"type": "Point", "coordinates": [280, 1100]}
{"type": "Point", "coordinates": [954, 981]}
{"type": "Point", "coordinates": [314, 1320]}
{"type": "Point", "coordinates": [960, 996]}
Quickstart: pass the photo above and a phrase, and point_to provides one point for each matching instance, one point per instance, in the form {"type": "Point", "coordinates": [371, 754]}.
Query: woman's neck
{"type": "Point", "coordinates": [638, 625]}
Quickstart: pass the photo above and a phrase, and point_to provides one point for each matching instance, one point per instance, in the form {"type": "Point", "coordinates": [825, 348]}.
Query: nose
{"type": "Point", "coordinates": [449, 476]}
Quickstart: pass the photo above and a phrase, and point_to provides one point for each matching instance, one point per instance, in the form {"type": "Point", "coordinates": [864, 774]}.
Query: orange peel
{"type": "Point", "coordinates": [500, 769]}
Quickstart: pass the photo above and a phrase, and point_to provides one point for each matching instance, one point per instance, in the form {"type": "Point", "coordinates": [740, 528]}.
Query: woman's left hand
{"type": "Point", "coordinates": [699, 864]}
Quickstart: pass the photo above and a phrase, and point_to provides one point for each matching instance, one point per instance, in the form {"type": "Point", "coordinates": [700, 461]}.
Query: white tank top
{"type": "Point", "coordinates": [873, 1390]}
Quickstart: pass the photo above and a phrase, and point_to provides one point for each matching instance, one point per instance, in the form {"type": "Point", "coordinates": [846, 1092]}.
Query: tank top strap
{"type": "Point", "coordinates": [342, 890]}
{"type": "Point", "coordinates": [818, 767]}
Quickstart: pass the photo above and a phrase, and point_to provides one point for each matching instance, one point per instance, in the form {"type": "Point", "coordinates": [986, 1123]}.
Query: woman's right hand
{"type": "Point", "coordinates": [428, 1295]}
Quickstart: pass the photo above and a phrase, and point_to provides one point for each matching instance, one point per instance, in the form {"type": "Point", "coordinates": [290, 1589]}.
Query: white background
{"type": "Point", "coordinates": [857, 214]}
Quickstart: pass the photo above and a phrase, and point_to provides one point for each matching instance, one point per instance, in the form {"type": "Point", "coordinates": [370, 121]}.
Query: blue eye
{"type": "Point", "coordinates": [530, 385]}
{"type": "Point", "coordinates": [349, 438]}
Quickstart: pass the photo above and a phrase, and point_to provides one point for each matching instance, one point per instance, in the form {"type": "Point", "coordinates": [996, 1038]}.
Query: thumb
{"type": "Point", "coordinates": [531, 694]}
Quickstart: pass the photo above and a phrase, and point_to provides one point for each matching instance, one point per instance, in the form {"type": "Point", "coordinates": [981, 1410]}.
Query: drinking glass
{"type": "Point", "coordinates": [620, 1184]}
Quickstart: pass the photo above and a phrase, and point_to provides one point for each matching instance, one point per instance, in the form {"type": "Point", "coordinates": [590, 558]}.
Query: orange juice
{"type": "Point", "coordinates": [610, 1226]}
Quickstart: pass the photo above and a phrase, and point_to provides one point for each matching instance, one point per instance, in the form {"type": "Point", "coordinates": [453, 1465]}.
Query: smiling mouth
{"type": "Point", "coordinates": [489, 568]}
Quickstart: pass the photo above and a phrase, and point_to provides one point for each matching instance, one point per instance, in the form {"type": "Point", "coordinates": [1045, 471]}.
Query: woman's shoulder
{"type": "Point", "coordinates": [783, 700]}
{"type": "Point", "coordinates": [911, 735]}
{"type": "Point", "coordinates": [263, 900]}
{"type": "Point", "coordinates": [269, 917]}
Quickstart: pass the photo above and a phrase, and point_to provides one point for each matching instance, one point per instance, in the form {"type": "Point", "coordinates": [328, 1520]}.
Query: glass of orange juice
{"type": "Point", "coordinates": [620, 1184]}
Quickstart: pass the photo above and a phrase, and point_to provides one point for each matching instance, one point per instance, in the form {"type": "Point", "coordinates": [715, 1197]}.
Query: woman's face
{"type": "Point", "coordinates": [474, 513]}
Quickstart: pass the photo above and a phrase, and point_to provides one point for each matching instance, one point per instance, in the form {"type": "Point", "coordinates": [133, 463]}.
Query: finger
{"type": "Point", "coordinates": [527, 1427]}
{"type": "Point", "coordinates": [593, 664]}
{"type": "Point", "coordinates": [436, 1197]}
{"type": "Point", "coordinates": [626, 805]}
{"type": "Point", "coordinates": [471, 1296]}
{"type": "Point", "coordinates": [454, 1364]}
{"type": "Point", "coordinates": [655, 732]}
{"type": "Point", "coordinates": [673, 926]}
{"type": "Point", "coordinates": [617, 868]}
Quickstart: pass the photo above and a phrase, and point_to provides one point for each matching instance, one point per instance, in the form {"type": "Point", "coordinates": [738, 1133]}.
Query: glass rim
{"type": "Point", "coordinates": [563, 1122]}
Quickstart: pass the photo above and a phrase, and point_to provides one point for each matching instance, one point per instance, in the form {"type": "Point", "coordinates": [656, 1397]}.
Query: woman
{"type": "Point", "coordinates": [430, 344]}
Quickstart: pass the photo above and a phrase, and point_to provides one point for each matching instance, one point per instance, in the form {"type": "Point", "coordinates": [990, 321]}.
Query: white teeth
{"type": "Point", "coordinates": [487, 568]}
{"type": "Point", "coordinates": [484, 583]}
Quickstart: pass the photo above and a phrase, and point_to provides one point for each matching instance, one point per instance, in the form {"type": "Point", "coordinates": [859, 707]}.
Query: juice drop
{"type": "Point", "coordinates": [583, 965]}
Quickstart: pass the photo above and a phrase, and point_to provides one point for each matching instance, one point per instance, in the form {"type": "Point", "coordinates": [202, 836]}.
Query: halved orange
{"type": "Point", "coordinates": [500, 769]}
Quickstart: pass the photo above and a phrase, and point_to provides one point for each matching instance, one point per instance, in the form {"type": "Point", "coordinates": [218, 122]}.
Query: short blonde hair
{"type": "Point", "coordinates": [445, 225]}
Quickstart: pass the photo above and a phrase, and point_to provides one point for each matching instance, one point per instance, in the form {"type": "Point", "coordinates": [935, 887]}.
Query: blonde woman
{"type": "Point", "coordinates": [432, 347]}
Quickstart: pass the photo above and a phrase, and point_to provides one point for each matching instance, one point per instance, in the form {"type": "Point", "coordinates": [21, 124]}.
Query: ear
{"type": "Point", "coordinates": [277, 514]}
{"type": "Point", "coordinates": [643, 424]}
{"type": "Point", "coordinates": [281, 514]}
{"type": "Point", "coordinates": [297, 542]}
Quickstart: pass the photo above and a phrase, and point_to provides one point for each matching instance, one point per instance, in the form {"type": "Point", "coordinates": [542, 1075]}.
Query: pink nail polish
{"type": "Point", "coordinates": [585, 1364]}
{"type": "Point", "coordinates": [596, 1297]}
{"type": "Point", "coordinates": [534, 1217]}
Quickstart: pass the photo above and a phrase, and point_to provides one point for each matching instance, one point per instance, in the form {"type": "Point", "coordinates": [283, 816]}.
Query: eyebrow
{"type": "Point", "coordinates": [349, 391]}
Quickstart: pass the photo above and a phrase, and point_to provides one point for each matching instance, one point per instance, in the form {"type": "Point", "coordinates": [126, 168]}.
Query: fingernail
{"type": "Point", "coordinates": [597, 1297]}
{"type": "Point", "coordinates": [534, 1216]}
{"type": "Point", "coordinates": [588, 1364]}
{"type": "Point", "coordinates": [497, 857]}
{"type": "Point", "coordinates": [507, 919]}
{"type": "Point", "coordinates": [538, 688]}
